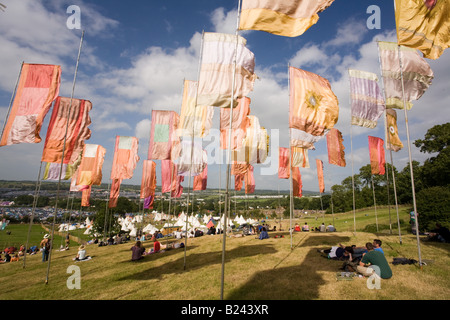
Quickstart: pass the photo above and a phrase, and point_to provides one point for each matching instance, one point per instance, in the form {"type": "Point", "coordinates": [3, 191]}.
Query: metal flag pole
{"type": "Point", "coordinates": [410, 158]}
{"type": "Point", "coordinates": [374, 201]}
{"type": "Point", "coordinates": [227, 195]}
{"type": "Point", "coordinates": [62, 159]}
{"type": "Point", "coordinates": [192, 147]}
{"type": "Point", "coordinates": [12, 99]}
{"type": "Point", "coordinates": [291, 182]}
{"type": "Point", "coordinates": [390, 150]}
{"type": "Point", "coordinates": [351, 151]}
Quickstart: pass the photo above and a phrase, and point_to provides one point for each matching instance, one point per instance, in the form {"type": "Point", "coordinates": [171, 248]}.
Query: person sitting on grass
{"type": "Point", "coordinates": [377, 245]}
{"type": "Point", "coordinates": [263, 234]}
{"type": "Point", "coordinates": [137, 251]}
{"type": "Point", "coordinates": [81, 255]}
{"type": "Point", "coordinates": [305, 227]}
{"type": "Point", "coordinates": [374, 262]}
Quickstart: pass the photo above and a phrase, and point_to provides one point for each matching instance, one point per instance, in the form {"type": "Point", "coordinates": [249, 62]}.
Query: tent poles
{"type": "Point", "coordinates": [12, 99]}
{"type": "Point", "coordinates": [410, 159]}
{"type": "Point", "coordinates": [229, 152]}
{"type": "Point", "coordinates": [62, 159]}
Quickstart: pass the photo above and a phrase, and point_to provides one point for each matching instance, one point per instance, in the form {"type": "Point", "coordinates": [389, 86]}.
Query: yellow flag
{"type": "Point", "coordinates": [289, 18]}
{"type": "Point", "coordinates": [393, 141]}
{"type": "Point", "coordinates": [423, 25]}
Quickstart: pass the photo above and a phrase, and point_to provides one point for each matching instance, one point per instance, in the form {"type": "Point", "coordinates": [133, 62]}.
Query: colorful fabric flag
{"type": "Point", "coordinates": [239, 124]}
{"type": "Point", "coordinates": [283, 163]}
{"type": "Point", "coordinates": [335, 146]}
{"type": "Point", "coordinates": [254, 147]}
{"type": "Point", "coordinates": [170, 180]}
{"type": "Point", "coordinates": [376, 151]}
{"type": "Point", "coordinates": [148, 183]}
{"type": "Point", "coordinates": [367, 100]}
{"type": "Point", "coordinates": [38, 87]}
{"type": "Point", "coordinates": [200, 181]}
{"type": "Point", "coordinates": [319, 165]}
{"type": "Point", "coordinates": [52, 170]}
{"type": "Point", "coordinates": [73, 115]}
{"type": "Point", "coordinates": [297, 184]}
{"type": "Point", "coordinates": [300, 157]}
{"type": "Point", "coordinates": [249, 181]}
{"type": "Point", "coordinates": [313, 108]}
{"type": "Point", "coordinates": [238, 181]}
{"type": "Point", "coordinates": [423, 25]}
{"type": "Point", "coordinates": [289, 18]}
{"type": "Point", "coordinates": [85, 197]}
{"type": "Point", "coordinates": [194, 119]}
{"type": "Point", "coordinates": [125, 157]}
{"type": "Point", "coordinates": [90, 169]}
{"type": "Point", "coordinates": [192, 159]}
{"type": "Point", "coordinates": [393, 141]}
{"type": "Point", "coordinates": [148, 202]}
{"type": "Point", "coordinates": [417, 74]}
{"type": "Point", "coordinates": [216, 71]}
{"type": "Point", "coordinates": [163, 138]}
{"type": "Point", "coordinates": [114, 193]}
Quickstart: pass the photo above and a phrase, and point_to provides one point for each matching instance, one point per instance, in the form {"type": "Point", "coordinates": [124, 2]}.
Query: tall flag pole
{"type": "Point", "coordinates": [12, 98]}
{"type": "Point", "coordinates": [62, 162]}
{"type": "Point", "coordinates": [389, 146]}
{"type": "Point", "coordinates": [291, 183]}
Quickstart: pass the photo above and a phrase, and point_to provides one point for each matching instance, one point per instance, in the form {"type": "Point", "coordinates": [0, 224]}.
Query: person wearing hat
{"type": "Point", "coordinates": [45, 247]}
{"type": "Point", "coordinates": [81, 255]}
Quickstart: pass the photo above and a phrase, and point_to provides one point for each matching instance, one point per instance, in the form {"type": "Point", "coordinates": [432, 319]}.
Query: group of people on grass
{"type": "Point", "coordinates": [321, 228]}
{"type": "Point", "coordinates": [138, 250]}
{"type": "Point", "coordinates": [367, 260]}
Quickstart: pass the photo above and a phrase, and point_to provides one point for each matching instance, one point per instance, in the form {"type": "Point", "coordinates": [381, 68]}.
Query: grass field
{"type": "Point", "coordinates": [271, 269]}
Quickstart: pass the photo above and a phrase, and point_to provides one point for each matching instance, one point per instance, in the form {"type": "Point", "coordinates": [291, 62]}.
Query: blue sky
{"type": "Point", "coordinates": [136, 55]}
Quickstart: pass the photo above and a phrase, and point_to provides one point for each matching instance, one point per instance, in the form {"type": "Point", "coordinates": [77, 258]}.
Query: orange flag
{"type": "Point", "coordinates": [283, 163]}
{"type": "Point", "coordinates": [336, 154]}
{"type": "Point", "coordinates": [90, 169]}
{"type": "Point", "coordinates": [239, 124]}
{"type": "Point", "coordinates": [85, 197]}
{"type": "Point", "coordinates": [249, 180]}
{"type": "Point", "coordinates": [114, 193]}
{"type": "Point", "coordinates": [148, 184]}
{"type": "Point", "coordinates": [125, 157]}
{"type": "Point", "coordinates": [201, 180]}
{"type": "Point", "coordinates": [297, 184]}
{"type": "Point", "coordinates": [38, 87]}
{"type": "Point", "coordinates": [377, 160]}
{"type": "Point", "coordinates": [72, 114]}
{"type": "Point", "coordinates": [319, 165]}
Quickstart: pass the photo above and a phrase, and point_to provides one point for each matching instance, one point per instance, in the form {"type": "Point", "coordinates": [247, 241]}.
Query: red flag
{"type": "Point", "coordinates": [201, 180]}
{"type": "Point", "coordinates": [319, 165]}
{"type": "Point", "coordinates": [297, 182]}
{"type": "Point", "coordinates": [114, 193]}
{"type": "Point", "coordinates": [249, 180]}
{"type": "Point", "coordinates": [376, 151]}
{"type": "Point", "coordinates": [283, 163]}
{"type": "Point", "coordinates": [336, 154]}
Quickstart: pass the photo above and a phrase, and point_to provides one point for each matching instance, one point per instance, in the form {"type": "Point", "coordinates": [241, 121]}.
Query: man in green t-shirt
{"type": "Point", "coordinates": [374, 261]}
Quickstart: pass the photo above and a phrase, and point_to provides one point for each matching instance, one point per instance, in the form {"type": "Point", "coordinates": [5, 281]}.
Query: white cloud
{"type": "Point", "coordinates": [142, 130]}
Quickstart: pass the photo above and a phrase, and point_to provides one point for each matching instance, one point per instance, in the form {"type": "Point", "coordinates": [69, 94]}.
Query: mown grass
{"type": "Point", "coordinates": [270, 269]}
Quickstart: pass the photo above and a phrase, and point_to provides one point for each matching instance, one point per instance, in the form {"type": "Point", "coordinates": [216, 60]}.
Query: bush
{"type": "Point", "coordinates": [433, 205]}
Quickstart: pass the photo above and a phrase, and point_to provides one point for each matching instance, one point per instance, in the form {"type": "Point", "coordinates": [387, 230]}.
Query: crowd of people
{"type": "Point", "coordinates": [321, 228]}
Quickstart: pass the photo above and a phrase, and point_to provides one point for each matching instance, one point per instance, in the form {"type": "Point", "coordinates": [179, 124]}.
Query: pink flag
{"type": "Point", "coordinates": [376, 151]}
{"type": "Point", "coordinates": [283, 163]}
{"type": "Point", "coordinates": [163, 137]}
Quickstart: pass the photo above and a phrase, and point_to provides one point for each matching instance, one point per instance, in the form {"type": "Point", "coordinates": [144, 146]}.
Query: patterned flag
{"type": "Point", "coordinates": [163, 138]}
{"type": "Point", "coordinates": [148, 183]}
{"type": "Point", "coordinates": [254, 147]}
{"type": "Point", "coordinates": [336, 153]}
{"type": "Point", "coordinates": [90, 169]}
{"type": "Point", "coordinates": [313, 108]}
{"type": "Point", "coordinates": [283, 163]}
{"type": "Point", "coordinates": [297, 184]}
{"type": "Point", "coordinates": [216, 70]}
{"type": "Point", "coordinates": [194, 119]}
{"type": "Point", "coordinates": [417, 74]}
{"type": "Point", "coordinates": [38, 87]}
{"type": "Point", "coordinates": [72, 114]}
{"type": "Point", "coordinates": [289, 18]}
{"type": "Point", "coordinates": [300, 157]}
{"type": "Point", "coordinates": [319, 165]}
{"type": "Point", "coordinates": [376, 151]}
{"type": "Point", "coordinates": [125, 157]}
{"type": "Point", "coordinates": [170, 180]}
{"type": "Point", "coordinates": [423, 25]}
{"type": "Point", "coordinates": [367, 100]}
{"type": "Point", "coordinates": [393, 141]}
{"type": "Point", "coordinates": [239, 124]}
